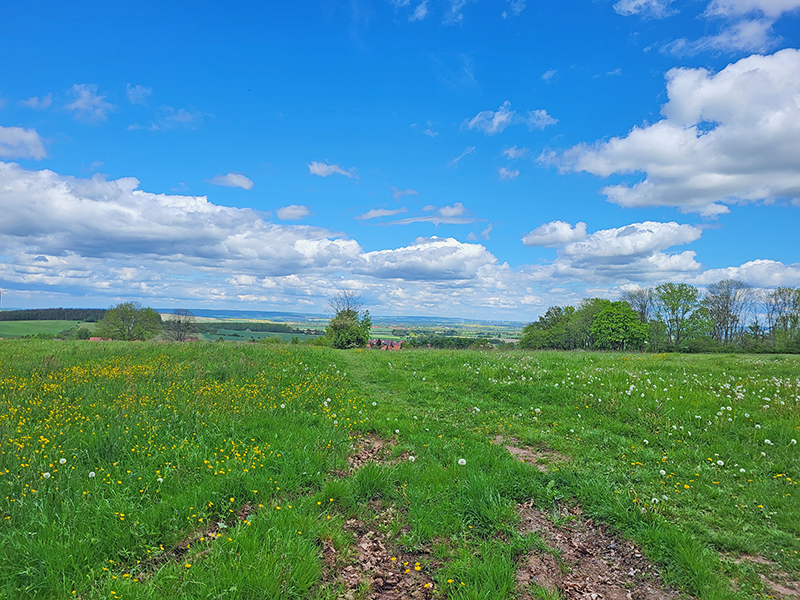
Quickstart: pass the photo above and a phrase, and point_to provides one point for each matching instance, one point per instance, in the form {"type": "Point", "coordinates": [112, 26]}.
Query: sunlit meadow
{"type": "Point", "coordinates": [214, 470]}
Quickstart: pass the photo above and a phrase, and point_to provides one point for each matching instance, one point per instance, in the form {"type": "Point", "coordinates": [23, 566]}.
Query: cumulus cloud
{"type": "Point", "coordinates": [505, 174]}
{"type": "Point", "coordinates": [232, 180]}
{"type": "Point", "coordinates": [38, 103]}
{"type": "Point", "coordinates": [90, 221]}
{"type": "Point", "coordinates": [428, 258]}
{"type": "Point", "coordinates": [746, 25]}
{"type": "Point", "coordinates": [138, 94]}
{"type": "Point", "coordinates": [293, 212]}
{"type": "Point", "coordinates": [16, 142]}
{"type": "Point", "coordinates": [758, 273]}
{"type": "Point", "coordinates": [326, 170]}
{"type": "Point", "coordinates": [555, 234]}
{"type": "Point", "coordinates": [87, 105]}
{"type": "Point", "coordinates": [376, 213]}
{"type": "Point", "coordinates": [726, 138]}
{"type": "Point", "coordinates": [635, 240]}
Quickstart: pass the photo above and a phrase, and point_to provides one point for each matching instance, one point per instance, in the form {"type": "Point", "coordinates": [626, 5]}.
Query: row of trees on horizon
{"type": "Point", "coordinates": [729, 315]}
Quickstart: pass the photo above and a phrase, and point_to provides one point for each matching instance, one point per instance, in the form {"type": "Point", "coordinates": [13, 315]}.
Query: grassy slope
{"type": "Point", "coordinates": [225, 426]}
{"type": "Point", "coordinates": [13, 329]}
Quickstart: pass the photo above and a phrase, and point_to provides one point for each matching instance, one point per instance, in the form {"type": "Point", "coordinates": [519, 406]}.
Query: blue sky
{"type": "Point", "coordinates": [471, 158]}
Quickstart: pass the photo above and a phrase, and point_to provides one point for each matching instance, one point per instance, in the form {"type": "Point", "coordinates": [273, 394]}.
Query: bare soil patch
{"type": "Point", "coordinates": [539, 458]}
{"type": "Point", "coordinates": [376, 565]}
{"type": "Point", "coordinates": [588, 563]}
{"type": "Point", "coordinates": [780, 583]}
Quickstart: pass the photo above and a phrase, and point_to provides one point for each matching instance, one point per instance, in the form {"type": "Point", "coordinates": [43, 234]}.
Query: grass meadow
{"type": "Point", "coordinates": [214, 470]}
{"type": "Point", "coordinates": [16, 329]}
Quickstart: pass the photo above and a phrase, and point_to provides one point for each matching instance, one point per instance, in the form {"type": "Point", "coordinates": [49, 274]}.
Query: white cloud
{"type": "Point", "coordinates": [505, 174]}
{"type": "Point", "coordinates": [758, 273]}
{"type": "Point", "coordinates": [232, 180]}
{"type": "Point", "coordinates": [455, 12]}
{"type": "Point", "coordinates": [454, 163]}
{"type": "Point", "coordinates": [171, 118]}
{"type": "Point", "coordinates": [635, 240]}
{"type": "Point", "coordinates": [113, 224]}
{"type": "Point", "coordinates": [747, 35]}
{"type": "Point", "coordinates": [769, 8]}
{"type": "Point", "coordinates": [427, 259]}
{"type": "Point", "coordinates": [293, 212]}
{"type": "Point", "coordinates": [38, 103]}
{"type": "Point", "coordinates": [555, 234]}
{"type": "Point", "coordinates": [420, 12]}
{"type": "Point", "coordinates": [657, 9]}
{"type": "Point", "coordinates": [397, 193]}
{"type": "Point", "coordinates": [486, 233]}
{"type": "Point", "coordinates": [539, 119]}
{"type": "Point", "coordinates": [87, 104]}
{"type": "Point", "coordinates": [326, 170]}
{"type": "Point", "coordinates": [515, 9]}
{"type": "Point", "coordinates": [548, 75]}
{"type": "Point", "coordinates": [381, 212]}
{"type": "Point", "coordinates": [138, 94]}
{"type": "Point", "coordinates": [455, 214]}
{"type": "Point", "coordinates": [16, 142]}
{"type": "Point", "coordinates": [492, 122]}
{"type": "Point", "coordinates": [726, 138]}
{"type": "Point", "coordinates": [514, 153]}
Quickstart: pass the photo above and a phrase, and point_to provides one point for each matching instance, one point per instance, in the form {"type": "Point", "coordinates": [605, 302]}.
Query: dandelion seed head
{"type": "Point", "coordinates": [46, 475]}
{"type": "Point", "coordinates": [91, 474]}
{"type": "Point", "coordinates": [462, 461]}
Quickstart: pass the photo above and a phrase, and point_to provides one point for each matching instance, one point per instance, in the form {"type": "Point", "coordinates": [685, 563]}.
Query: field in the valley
{"type": "Point", "coordinates": [252, 471]}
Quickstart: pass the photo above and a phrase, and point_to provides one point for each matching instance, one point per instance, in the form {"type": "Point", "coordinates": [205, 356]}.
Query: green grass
{"type": "Point", "coordinates": [182, 437]}
{"type": "Point", "coordinates": [15, 329]}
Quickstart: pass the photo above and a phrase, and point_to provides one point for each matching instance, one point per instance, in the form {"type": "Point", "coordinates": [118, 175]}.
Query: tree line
{"type": "Point", "coordinates": [91, 315]}
{"type": "Point", "coordinates": [729, 315]}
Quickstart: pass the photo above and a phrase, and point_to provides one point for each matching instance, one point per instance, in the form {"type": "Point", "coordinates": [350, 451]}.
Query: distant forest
{"type": "Point", "coordinates": [54, 314]}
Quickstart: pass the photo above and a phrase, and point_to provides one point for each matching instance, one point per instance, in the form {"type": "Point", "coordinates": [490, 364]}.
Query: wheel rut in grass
{"type": "Point", "coordinates": [588, 562]}
{"type": "Point", "coordinates": [179, 550]}
{"type": "Point", "coordinates": [539, 458]}
{"type": "Point", "coordinates": [781, 584]}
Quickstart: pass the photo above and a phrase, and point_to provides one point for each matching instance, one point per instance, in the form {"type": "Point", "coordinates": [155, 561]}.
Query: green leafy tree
{"type": "Point", "coordinates": [129, 321]}
{"type": "Point", "coordinates": [676, 302]}
{"type": "Point", "coordinates": [550, 331]}
{"type": "Point", "coordinates": [618, 327]}
{"type": "Point", "coordinates": [351, 324]}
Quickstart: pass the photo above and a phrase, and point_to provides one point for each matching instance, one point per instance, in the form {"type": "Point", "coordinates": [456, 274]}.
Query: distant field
{"type": "Point", "coordinates": [15, 329]}
{"type": "Point", "coordinates": [249, 471]}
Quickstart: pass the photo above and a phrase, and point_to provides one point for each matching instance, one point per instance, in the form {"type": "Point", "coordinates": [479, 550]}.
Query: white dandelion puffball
{"type": "Point", "coordinates": [46, 475]}
{"type": "Point", "coordinates": [663, 472]}
{"type": "Point", "coordinates": [462, 461]}
{"type": "Point", "coordinates": [283, 406]}
{"type": "Point", "coordinates": [62, 461]}
{"type": "Point", "coordinates": [160, 480]}
{"type": "Point", "coordinates": [720, 463]}
{"type": "Point", "coordinates": [397, 431]}
{"type": "Point", "coordinates": [374, 404]}
{"type": "Point", "coordinates": [768, 443]}
{"type": "Point", "coordinates": [412, 458]}
{"type": "Point", "coordinates": [91, 474]}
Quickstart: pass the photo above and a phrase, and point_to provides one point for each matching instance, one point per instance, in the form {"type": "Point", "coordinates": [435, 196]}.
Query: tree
{"type": "Point", "coordinates": [129, 321]}
{"type": "Point", "coordinates": [181, 325]}
{"type": "Point", "coordinates": [782, 307]}
{"type": "Point", "coordinates": [640, 300]}
{"type": "Point", "coordinates": [728, 302]}
{"type": "Point", "coordinates": [676, 302]}
{"type": "Point", "coordinates": [549, 332]}
{"type": "Point", "coordinates": [617, 327]}
{"type": "Point", "coordinates": [350, 326]}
